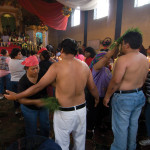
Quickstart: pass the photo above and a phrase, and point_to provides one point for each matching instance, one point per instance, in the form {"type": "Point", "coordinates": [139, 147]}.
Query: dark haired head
{"type": "Point", "coordinates": [69, 46]}
{"type": "Point", "coordinates": [33, 53]}
{"type": "Point", "coordinates": [50, 48]}
{"type": "Point", "coordinates": [80, 51]}
{"type": "Point", "coordinates": [91, 51]}
{"type": "Point", "coordinates": [3, 52]}
{"type": "Point", "coordinates": [24, 52]}
{"type": "Point", "coordinates": [134, 39]}
{"type": "Point", "coordinates": [46, 55]}
{"type": "Point", "coordinates": [84, 45]}
{"type": "Point", "coordinates": [14, 52]}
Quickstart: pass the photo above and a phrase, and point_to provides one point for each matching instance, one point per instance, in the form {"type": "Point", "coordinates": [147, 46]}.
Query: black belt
{"type": "Point", "coordinates": [72, 108]}
{"type": "Point", "coordinates": [129, 91]}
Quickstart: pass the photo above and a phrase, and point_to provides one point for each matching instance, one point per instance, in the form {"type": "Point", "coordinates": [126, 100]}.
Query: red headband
{"type": "Point", "coordinates": [41, 50]}
{"type": "Point", "coordinates": [30, 61]}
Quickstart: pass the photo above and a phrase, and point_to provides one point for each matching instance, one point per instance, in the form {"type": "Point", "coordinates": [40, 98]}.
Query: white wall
{"type": "Point", "coordinates": [105, 27]}
{"type": "Point", "coordinates": [137, 17]}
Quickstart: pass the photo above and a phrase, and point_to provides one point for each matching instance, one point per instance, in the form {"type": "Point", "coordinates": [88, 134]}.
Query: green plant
{"type": "Point", "coordinates": [51, 103]}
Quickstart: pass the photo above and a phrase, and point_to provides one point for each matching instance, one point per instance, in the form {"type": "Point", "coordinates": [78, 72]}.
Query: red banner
{"type": "Point", "coordinates": [49, 13]}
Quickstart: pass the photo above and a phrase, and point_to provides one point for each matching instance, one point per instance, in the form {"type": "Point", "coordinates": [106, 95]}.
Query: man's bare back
{"type": "Point", "coordinates": [72, 76]}
{"type": "Point", "coordinates": [136, 67]}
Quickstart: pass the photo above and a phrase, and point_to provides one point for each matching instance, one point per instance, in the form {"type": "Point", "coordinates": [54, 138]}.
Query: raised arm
{"type": "Point", "coordinates": [92, 88]}
{"type": "Point", "coordinates": [47, 79]}
{"type": "Point", "coordinates": [115, 82]}
{"type": "Point", "coordinates": [102, 62]}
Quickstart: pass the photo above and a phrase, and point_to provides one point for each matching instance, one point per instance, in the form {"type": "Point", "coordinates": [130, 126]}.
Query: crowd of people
{"type": "Point", "coordinates": [88, 88]}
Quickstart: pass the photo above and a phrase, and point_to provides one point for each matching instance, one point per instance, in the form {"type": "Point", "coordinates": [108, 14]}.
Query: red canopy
{"type": "Point", "coordinates": [49, 13]}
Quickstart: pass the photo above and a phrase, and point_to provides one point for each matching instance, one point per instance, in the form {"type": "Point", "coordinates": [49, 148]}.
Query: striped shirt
{"type": "Point", "coordinates": [147, 85]}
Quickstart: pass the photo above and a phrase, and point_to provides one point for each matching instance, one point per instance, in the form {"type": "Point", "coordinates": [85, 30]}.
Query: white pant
{"type": "Point", "coordinates": [66, 122]}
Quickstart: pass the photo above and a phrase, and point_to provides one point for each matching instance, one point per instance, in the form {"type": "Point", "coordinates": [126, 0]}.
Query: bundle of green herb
{"type": "Point", "coordinates": [51, 103]}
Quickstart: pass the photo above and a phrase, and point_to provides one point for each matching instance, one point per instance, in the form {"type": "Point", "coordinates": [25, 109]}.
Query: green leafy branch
{"type": "Point", "coordinates": [51, 103]}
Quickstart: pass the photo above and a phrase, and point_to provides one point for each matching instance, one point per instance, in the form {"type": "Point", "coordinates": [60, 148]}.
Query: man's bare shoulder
{"type": "Point", "coordinates": [121, 59]}
{"type": "Point", "coordinates": [82, 64]}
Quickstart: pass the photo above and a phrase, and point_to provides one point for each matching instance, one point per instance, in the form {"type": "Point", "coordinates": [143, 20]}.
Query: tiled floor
{"type": "Point", "coordinates": [12, 128]}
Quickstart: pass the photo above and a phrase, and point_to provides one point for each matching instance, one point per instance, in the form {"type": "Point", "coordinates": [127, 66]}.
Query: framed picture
{"type": "Point", "coordinates": [94, 44]}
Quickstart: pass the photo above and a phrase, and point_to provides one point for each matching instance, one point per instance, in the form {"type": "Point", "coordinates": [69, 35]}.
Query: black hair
{"type": "Point", "coordinates": [69, 46]}
{"type": "Point", "coordinates": [45, 54]}
{"type": "Point", "coordinates": [143, 50]}
{"type": "Point", "coordinates": [3, 51]}
{"type": "Point", "coordinates": [91, 51]}
{"type": "Point", "coordinates": [80, 51]}
{"type": "Point", "coordinates": [33, 53]}
{"type": "Point", "coordinates": [24, 52]}
{"type": "Point", "coordinates": [26, 67]}
{"type": "Point", "coordinates": [14, 52]}
{"type": "Point", "coordinates": [84, 45]}
{"type": "Point", "coordinates": [58, 47]}
{"type": "Point", "coordinates": [134, 39]}
{"type": "Point", "coordinates": [50, 48]}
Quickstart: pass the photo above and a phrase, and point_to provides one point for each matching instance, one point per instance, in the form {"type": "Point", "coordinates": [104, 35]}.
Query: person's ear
{"type": "Point", "coordinates": [127, 46]}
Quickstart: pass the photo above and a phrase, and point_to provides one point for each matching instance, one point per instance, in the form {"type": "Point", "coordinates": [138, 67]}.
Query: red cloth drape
{"type": "Point", "coordinates": [49, 13]}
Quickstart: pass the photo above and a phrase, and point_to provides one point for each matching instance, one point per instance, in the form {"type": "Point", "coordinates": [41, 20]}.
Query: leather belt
{"type": "Point", "coordinates": [72, 108]}
{"type": "Point", "coordinates": [129, 91]}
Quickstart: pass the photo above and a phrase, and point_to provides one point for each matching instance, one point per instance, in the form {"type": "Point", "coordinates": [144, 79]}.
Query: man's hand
{"type": "Point", "coordinates": [96, 102]}
{"type": "Point", "coordinates": [10, 95]}
{"type": "Point", "coordinates": [106, 101]}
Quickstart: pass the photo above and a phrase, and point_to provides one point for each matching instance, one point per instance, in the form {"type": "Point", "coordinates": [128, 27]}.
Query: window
{"type": "Point", "coordinates": [138, 3]}
{"type": "Point", "coordinates": [75, 17]}
{"type": "Point", "coordinates": [102, 9]}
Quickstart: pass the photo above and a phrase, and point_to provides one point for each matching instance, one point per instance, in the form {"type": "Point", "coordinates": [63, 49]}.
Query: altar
{"type": "Point", "coordinates": [29, 33]}
{"type": "Point", "coordinates": [38, 35]}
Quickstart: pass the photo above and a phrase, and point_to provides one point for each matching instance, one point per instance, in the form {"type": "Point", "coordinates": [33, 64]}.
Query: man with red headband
{"type": "Point", "coordinates": [70, 76]}
{"type": "Point", "coordinates": [28, 105]}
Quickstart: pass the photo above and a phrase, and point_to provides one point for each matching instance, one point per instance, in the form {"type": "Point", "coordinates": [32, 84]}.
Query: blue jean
{"type": "Point", "coordinates": [15, 89]}
{"type": "Point", "coordinates": [5, 79]}
{"type": "Point", "coordinates": [31, 117]}
{"type": "Point", "coordinates": [126, 109]}
{"type": "Point", "coordinates": [147, 117]}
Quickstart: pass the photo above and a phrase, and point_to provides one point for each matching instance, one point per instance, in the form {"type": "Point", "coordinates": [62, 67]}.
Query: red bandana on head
{"type": "Point", "coordinates": [30, 61]}
{"type": "Point", "coordinates": [41, 50]}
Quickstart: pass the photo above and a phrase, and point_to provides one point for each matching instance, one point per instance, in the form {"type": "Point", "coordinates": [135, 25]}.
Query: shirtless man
{"type": "Point", "coordinates": [129, 75]}
{"type": "Point", "coordinates": [71, 76]}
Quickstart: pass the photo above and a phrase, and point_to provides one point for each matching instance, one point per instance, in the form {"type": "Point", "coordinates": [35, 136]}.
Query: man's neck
{"type": "Point", "coordinates": [132, 51]}
{"type": "Point", "coordinates": [67, 56]}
